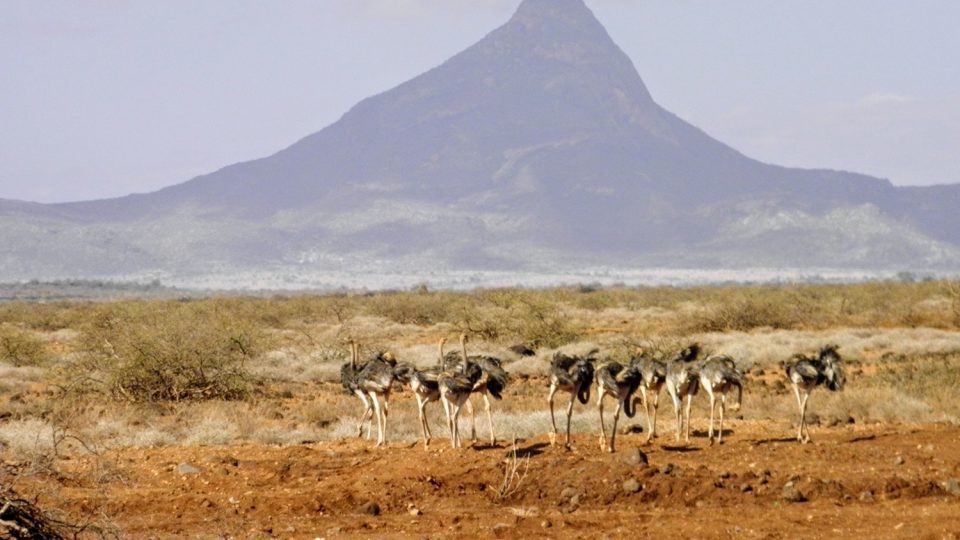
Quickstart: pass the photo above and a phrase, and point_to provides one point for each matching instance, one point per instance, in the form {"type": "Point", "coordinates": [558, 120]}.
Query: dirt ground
{"type": "Point", "coordinates": [877, 480]}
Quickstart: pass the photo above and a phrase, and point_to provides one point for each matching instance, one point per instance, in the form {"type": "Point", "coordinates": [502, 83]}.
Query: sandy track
{"type": "Point", "coordinates": [853, 481]}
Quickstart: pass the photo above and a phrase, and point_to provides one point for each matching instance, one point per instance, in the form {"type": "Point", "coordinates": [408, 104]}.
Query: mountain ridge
{"type": "Point", "coordinates": [539, 144]}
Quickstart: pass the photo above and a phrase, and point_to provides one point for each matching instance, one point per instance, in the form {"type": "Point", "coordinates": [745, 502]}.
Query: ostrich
{"type": "Point", "coordinates": [620, 382]}
{"type": "Point", "coordinates": [654, 375]}
{"type": "Point", "coordinates": [574, 375]}
{"type": "Point", "coordinates": [719, 375]}
{"type": "Point", "coordinates": [376, 379]}
{"type": "Point", "coordinates": [425, 386]}
{"type": "Point", "coordinates": [349, 374]}
{"type": "Point", "coordinates": [455, 389]}
{"type": "Point", "coordinates": [682, 383]}
{"type": "Point", "coordinates": [806, 373]}
{"type": "Point", "coordinates": [491, 382]}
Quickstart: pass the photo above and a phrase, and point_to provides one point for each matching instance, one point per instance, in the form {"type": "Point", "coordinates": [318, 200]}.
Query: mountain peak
{"type": "Point", "coordinates": [541, 8]}
{"type": "Point", "coordinates": [552, 13]}
{"type": "Point", "coordinates": [536, 147]}
{"type": "Point", "coordinates": [564, 31]}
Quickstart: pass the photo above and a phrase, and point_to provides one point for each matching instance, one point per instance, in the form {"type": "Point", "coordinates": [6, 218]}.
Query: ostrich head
{"type": "Point", "coordinates": [832, 367]}
{"type": "Point", "coordinates": [585, 373]}
{"type": "Point", "coordinates": [689, 354]}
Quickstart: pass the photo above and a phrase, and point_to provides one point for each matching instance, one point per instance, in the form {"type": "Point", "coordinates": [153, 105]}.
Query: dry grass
{"type": "Point", "coordinates": [21, 348]}
{"type": "Point", "coordinates": [901, 340]}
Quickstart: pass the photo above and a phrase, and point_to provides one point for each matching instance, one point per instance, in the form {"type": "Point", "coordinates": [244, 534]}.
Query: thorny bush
{"type": "Point", "coordinates": [170, 352]}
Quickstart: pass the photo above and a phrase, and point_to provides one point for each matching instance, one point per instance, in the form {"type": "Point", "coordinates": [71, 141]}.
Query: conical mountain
{"type": "Point", "coordinates": [550, 77]}
{"type": "Point", "coordinates": [538, 145]}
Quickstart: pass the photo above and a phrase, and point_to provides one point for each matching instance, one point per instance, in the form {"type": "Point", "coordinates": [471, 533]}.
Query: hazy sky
{"type": "Point", "coordinates": [101, 98]}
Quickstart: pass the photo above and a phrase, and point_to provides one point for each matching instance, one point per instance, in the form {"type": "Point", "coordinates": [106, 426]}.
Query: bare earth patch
{"type": "Point", "coordinates": [856, 481]}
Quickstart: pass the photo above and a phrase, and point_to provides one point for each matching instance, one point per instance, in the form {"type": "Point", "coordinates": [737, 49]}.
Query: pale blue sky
{"type": "Point", "coordinates": [101, 98]}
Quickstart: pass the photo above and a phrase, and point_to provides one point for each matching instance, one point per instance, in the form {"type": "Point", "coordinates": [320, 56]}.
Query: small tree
{"type": "Point", "coordinates": [21, 348]}
{"type": "Point", "coordinates": [953, 291]}
{"type": "Point", "coordinates": [172, 353]}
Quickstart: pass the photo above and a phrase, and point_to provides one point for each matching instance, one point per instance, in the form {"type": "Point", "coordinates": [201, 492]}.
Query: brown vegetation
{"type": "Point", "coordinates": [92, 383]}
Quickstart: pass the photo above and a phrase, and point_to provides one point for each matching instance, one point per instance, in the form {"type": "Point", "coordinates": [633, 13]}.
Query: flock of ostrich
{"type": "Point", "coordinates": [457, 377]}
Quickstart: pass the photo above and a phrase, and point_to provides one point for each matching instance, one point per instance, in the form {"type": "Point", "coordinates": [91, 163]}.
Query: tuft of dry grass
{"type": "Point", "coordinates": [901, 342]}
{"type": "Point", "coordinates": [30, 438]}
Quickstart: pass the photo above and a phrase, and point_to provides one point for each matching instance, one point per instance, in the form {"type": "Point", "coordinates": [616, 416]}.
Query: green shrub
{"type": "Point", "coordinates": [422, 309]}
{"type": "Point", "coordinates": [171, 352]}
{"type": "Point", "coordinates": [41, 316]}
{"type": "Point", "coordinates": [953, 291]}
{"type": "Point", "coordinates": [21, 348]}
{"type": "Point", "coordinates": [745, 314]}
{"type": "Point", "coordinates": [512, 314]}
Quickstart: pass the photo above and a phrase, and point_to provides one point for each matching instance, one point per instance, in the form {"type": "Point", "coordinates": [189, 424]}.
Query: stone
{"type": "Point", "coordinates": [952, 486]}
{"type": "Point", "coordinates": [371, 509]}
{"type": "Point", "coordinates": [634, 457]}
{"type": "Point", "coordinates": [791, 494]}
{"type": "Point", "coordinates": [224, 460]}
{"type": "Point", "coordinates": [667, 469]}
{"type": "Point", "coordinates": [899, 460]}
{"type": "Point", "coordinates": [866, 496]}
{"type": "Point", "coordinates": [631, 485]}
{"type": "Point", "coordinates": [187, 469]}
{"type": "Point", "coordinates": [746, 488]}
{"type": "Point", "coordinates": [546, 524]}
{"type": "Point", "coordinates": [569, 493]}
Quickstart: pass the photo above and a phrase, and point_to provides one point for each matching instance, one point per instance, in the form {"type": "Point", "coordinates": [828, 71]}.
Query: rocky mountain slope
{"type": "Point", "coordinates": [539, 146]}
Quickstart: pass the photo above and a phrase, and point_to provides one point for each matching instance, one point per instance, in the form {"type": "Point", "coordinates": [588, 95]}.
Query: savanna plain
{"type": "Point", "coordinates": [224, 417]}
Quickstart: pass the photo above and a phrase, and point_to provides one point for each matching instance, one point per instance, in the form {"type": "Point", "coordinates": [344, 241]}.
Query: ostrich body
{"type": "Point", "coordinates": [621, 382]}
{"type": "Point", "coordinates": [682, 384]}
{"type": "Point", "coordinates": [455, 389]}
{"type": "Point", "coordinates": [719, 375]}
{"type": "Point", "coordinates": [376, 379]}
{"type": "Point", "coordinates": [654, 375]}
{"type": "Point", "coordinates": [492, 382]}
{"type": "Point", "coordinates": [573, 375]}
{"type": "Point", "coordinates": [349, 378]}
{"type": "Point", "coordinates": [806, 373]}
{"type": "Point", "coordinates": [426, 387]}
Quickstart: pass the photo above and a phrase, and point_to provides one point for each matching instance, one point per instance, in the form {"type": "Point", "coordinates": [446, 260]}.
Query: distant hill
{"type": "Point", "coordinates": [538, 147]}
